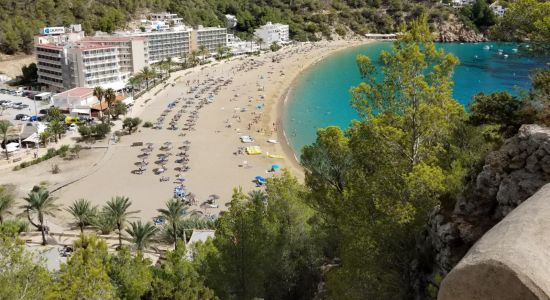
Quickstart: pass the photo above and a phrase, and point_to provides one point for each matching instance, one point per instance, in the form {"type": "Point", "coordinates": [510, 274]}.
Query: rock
{"type": "Point", "coordinates": [510, 261]}
{"type": "Point", "coordinates": [509, 176]}
{"type": "Point", "coordinates": [453, 30]}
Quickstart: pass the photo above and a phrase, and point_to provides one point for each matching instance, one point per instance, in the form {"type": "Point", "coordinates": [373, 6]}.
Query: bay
{"type": "Point", "coordinates": [321, 97]}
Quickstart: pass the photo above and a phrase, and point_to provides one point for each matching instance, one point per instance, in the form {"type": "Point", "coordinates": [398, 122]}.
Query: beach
{"type": "Point", "coordinates": [202, 113]}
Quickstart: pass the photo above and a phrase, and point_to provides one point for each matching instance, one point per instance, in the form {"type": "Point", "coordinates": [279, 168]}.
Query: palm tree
{"type": "Point", "coordinates": [257, 196]}
{"type": "Point", "coordinates": [40, 202]}
{"type": "Point", "coordinates": [117, 209]}
{"type": "Point", "coordinates": [173, 214]}
{"type": "Point", "coordinates": [110, 97]}
{"type": "Point", "coordinates": [147, 74]}
{"type": "Point", "coordinates": [135, 81]}
{"type": "Point", "coordinates": [7, 201]}
{"type": "Point", "coordinates": [56, 129]}
{"type": "Point", "coordinates": [45, 137]}
{"type": "Point", "coordinates": [83, 213]}
{"type": "Point", "coordinates": [4, 128]}
{"type": "Point", "coordinates": [99, 93]}
{"type": "Point", "coordinates": [193, 60]}
{"type": "Point", "coordinates": [168, 65]}
{"type": "Point", "coordinates": [184, 60]}
{"type": "Point", "coordinates": [203, 51]}
{"type": "Point", "coordinates": [141, 234]}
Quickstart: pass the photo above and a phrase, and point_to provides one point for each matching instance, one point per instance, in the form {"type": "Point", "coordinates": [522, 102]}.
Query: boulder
{"type": "Point", "coordinates": [511, 261]}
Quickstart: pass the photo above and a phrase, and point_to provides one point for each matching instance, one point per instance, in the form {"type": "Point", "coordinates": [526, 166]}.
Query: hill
{"type": "Point", "coordinates": [308, 19]}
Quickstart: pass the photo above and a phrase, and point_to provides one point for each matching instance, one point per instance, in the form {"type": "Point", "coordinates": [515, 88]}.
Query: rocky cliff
{"type": "Point", "coordinates": [454, 30]}
{"type": "Point", "coordinates": [509, 176]}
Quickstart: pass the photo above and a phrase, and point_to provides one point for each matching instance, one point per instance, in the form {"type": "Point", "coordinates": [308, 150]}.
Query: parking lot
{"type": "Point", "coordinates": [12, 105]}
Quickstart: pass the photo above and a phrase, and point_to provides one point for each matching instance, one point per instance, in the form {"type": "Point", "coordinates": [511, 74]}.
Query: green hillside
{"type": "Point", "coordinates": [308, 19]}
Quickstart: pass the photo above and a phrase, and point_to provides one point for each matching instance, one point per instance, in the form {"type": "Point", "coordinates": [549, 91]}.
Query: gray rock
{"type": "Point", "coordinates": [509, 176]}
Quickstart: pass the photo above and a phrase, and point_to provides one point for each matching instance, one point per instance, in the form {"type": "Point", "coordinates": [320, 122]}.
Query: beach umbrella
{"type": "Point", "coordinates": [275, 167]}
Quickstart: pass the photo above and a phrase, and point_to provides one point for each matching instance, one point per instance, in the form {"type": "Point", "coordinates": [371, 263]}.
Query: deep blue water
{"type": "Point", "coordinates": [321, 96]}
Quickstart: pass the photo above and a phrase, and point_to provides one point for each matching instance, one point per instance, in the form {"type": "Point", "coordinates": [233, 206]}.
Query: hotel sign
{"type": "Point", "coordinates": [53, 30]}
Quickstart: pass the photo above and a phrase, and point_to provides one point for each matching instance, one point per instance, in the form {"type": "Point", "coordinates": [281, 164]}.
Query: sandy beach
{"type": "Point", "coordinates": [202, 113]}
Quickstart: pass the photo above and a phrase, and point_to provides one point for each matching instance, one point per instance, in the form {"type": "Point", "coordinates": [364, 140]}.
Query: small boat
{"type": "Point", "coordinates": [515, 49]}
{"type": "Point", "coordinates": [505, 55]}
{"type": "Point", "coordinates": [486, 47]}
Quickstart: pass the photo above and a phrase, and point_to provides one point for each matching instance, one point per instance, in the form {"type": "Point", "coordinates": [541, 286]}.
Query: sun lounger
{"type": "Point", "coordinates": [253, 150]}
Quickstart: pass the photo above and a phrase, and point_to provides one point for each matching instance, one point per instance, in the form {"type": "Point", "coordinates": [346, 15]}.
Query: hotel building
{"type": "Point", "coordinates": [209, 37]}
{"type": "Point", "coordinates": [65, 61]}
{"type": "Point", "coordinates": [172, 42]}
{"type": "Point", "coordinates": [273, 33]}
{"type": "Point", "coordinates": [69, 59]}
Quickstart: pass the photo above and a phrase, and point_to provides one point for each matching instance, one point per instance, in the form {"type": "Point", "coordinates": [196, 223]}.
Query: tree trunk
{"type": "Point", "coordinates": [81, 225]}
{"type": "Point", "coordinates": [175, 236]}
{"type": "Point", "coordinates": [119, 235]}
{"type": "Point", "coordinates": [42, 229]}
{"type": "Point", "coordinates": [30, 220]}
{"type": "Point", "coordinates": [6, 145]}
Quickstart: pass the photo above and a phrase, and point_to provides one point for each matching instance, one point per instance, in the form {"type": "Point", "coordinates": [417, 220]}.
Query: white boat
{"type": "Point", "coordinates": [271, 141]}
{"type": "Point", "coordinates": [515, 49]}
{"type": "Point", "coordinates": [486, 47]}
{"type": "Point", "coordinates": [505, 55]}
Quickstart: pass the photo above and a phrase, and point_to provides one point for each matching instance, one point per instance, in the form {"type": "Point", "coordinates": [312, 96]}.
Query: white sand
{"type": "Point", "coordinates": [214, 167]}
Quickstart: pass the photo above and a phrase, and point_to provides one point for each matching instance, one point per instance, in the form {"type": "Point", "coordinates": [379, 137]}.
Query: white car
{"type": "Point", "coordinates": [73, 127]}
{"type": "Point", "coordinates": [247, 139]}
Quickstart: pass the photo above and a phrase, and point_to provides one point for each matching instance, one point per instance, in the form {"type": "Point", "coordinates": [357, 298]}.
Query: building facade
{"type": "Point", "coordinates": [210, 38]}
{"type": "Point", "coordinates": [273, 33]}
{"type": "Point", "coordinates": [66, 61]}
{"type": "Point", "coordinates": [173, 42]}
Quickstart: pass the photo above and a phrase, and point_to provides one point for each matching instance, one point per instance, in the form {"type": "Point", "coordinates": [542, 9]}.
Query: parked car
{"type": "Point", "coordinates": [19, 116]}
{"type": "Point", "coordinates": [26, 118]}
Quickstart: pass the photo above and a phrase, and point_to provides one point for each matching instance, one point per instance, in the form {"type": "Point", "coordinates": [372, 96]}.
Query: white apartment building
{"type": "Point", "coordinates": [65, 61]}
{"type": "Point", "coordinates": [497, 9]}
{"type": "Point", "coordinates": [169, 18]}
{"type": "Point", "coordinates": [272, 33]}
{"type": "Point", "coordinates": [230, 21]}
{"type": "Point", "coordinates": [173, 42]}
{"type": "Point", "coordinates": [210, 37]}
{"type": "Point", "coordinates": [461, 3]}
{"type": "Point", "coordinates": [239, 47]}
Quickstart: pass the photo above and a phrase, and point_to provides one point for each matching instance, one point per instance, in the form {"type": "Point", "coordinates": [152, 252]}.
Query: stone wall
{"type": "Point", "coordinates": [511, 261]}
{"type": "Point", "coordinates": [509, 176]}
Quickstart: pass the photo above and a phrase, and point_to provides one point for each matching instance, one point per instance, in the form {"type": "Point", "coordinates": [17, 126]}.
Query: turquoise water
{"type": "Point", "coordinates": [321, 96]}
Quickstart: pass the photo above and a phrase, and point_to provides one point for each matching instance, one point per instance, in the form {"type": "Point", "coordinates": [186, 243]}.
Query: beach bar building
{"type": "Point", "coordinates": [77, 101]}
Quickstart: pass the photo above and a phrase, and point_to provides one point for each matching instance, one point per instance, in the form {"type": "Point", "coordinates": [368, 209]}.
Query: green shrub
{"type": "Point", "coordinates": [147, 124]}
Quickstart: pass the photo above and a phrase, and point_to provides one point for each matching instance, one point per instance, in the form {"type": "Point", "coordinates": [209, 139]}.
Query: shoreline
{"type": "Point", "coordinates": [284, 100]}
{"type": "Point", "coordinates": [259, 90]}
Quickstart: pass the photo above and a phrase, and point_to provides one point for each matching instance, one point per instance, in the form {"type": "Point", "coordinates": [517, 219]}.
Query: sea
{"type": "Point", "coordinates": [321, 97]}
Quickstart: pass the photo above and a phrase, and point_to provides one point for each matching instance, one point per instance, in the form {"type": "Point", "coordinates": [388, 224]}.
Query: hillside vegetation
{"type": "Point", "coordinates": [308, 19]}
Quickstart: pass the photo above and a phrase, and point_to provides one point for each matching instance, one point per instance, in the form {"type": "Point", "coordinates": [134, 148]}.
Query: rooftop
{"type": "Point", "coordinates": [76, 92]}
